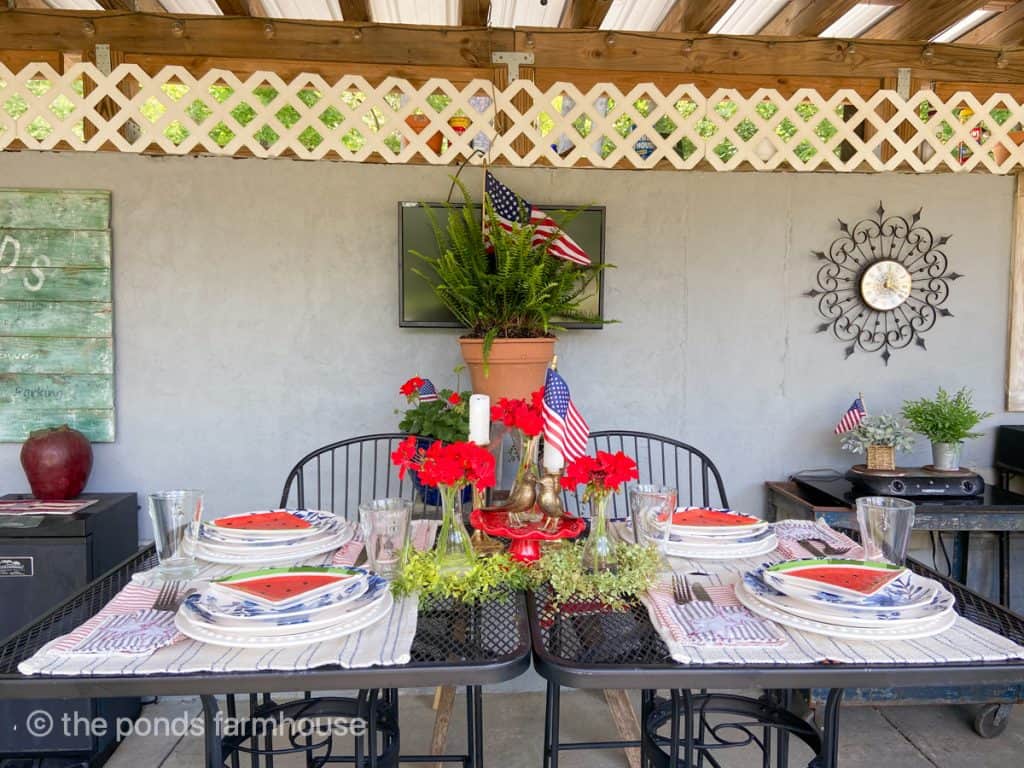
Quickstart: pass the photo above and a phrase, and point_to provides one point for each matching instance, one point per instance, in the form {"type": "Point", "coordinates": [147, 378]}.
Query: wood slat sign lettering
{"type": "Point", "coordinates": [56, 313]}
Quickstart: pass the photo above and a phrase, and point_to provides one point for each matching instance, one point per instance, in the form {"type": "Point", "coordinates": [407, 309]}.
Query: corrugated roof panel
{"type": "Point", "coordinates": [962, 27]}
{"type": "Point", "coordinates": [75, 5]}
{"type": "Point", "coordinates": [440, 12]}
{"type": "Point", "coordinates": [639, 15]}
{"type": "Point", "coordinates": [858, 20]}
{"type": "Point", "coordinates": [207, 7]}
{"type": "Point", "coordinates": [747, 17]}
{"type": "Point", "coordinates": [320, 10]}
{"type": "Point", "coordinates": [526, 13]}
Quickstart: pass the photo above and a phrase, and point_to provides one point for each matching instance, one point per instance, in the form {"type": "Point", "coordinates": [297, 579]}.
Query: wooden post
{"type": "Point", "coordinates": [1015, 368]}
{"type": "Point", "coordinates": [444, 703]}
{"type": "Point", "coordinates": [625, 720]}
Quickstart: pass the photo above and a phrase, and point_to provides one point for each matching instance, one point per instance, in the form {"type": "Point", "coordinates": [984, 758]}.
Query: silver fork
{"type": "Point", "coordinates": [167, 598]}
{"type": "Point", "coordinates": [681, 590]}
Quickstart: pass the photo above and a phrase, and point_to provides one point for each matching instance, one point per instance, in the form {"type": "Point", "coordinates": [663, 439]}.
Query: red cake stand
{"type": "Point", "coordinates": [526, 540]}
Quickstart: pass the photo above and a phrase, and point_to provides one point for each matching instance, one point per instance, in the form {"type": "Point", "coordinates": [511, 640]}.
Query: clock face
{"type": "Point", "coordinates": [885, 285]}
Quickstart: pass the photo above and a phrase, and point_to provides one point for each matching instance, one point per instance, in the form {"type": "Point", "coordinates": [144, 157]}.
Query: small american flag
{"type": "Point", "coordinates": [427, 392]}
{"type": "Point", "coordinates": [564, 427]}
{"type": "Point", "coordinates": [854, 415]}
{"type": "Point", "coordinates": [509, 208]}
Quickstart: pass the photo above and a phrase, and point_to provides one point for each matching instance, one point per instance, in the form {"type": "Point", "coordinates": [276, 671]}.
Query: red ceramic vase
{"type": "Point", "coordinates": [57, 462]}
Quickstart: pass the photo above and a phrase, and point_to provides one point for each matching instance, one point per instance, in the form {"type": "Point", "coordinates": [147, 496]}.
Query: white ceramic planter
{"type": "Point", "coordinates": [946, 456]}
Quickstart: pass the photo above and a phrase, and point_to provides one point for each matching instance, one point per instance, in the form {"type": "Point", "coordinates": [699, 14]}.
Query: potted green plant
{"type": "Point", "coordinates": [947, 421]}
{"type": "Point", "coordinates": [880, 437]}
{"type": "Point", "coordinates": [509, 296]}
{"type": "Point", "coordinates": [433, 415]}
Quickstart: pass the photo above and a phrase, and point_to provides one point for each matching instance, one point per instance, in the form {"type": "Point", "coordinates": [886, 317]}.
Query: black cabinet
{"type": "Point", "coordinates": [43, 561]}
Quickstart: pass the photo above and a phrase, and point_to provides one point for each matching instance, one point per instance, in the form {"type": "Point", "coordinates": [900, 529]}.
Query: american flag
{"type": "Point", "coordinates": [564, 427]}
{"type": "Point", "coordinates": [854, 415]}
{"type": "Point", "coordinates": [509, 208]}
{"type": "Point", "coordinates": [427, 392]}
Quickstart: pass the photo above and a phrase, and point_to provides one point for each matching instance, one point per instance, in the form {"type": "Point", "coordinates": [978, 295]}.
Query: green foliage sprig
{"type": "Point", "coordinates": [490, 578]}
{"type": "Point", "coordinates": [515, 292]}
{"type": "Point", "coordinates": [946, 419]}
{"type": "Point", "coordinates": [636, 569]}
{"type": "Point", "coordinates": [884, 429]}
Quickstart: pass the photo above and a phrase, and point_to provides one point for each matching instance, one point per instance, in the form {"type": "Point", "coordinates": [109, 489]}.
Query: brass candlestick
{"type": "Point", "coordinates": [482, 543]}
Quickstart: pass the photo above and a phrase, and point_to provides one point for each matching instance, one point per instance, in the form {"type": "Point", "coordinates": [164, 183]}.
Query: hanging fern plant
{"type": "Point", "coordinates": [515, 290]}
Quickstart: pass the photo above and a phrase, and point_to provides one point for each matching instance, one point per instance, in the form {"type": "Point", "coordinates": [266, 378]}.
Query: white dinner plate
{"type": "Point", "coordinates": [724, 552]}
{"type": "Point", "coordinates": [251, 555]}
{"type": "Point", "coordinates": [883, 632]}
{"type": "Point", "coordinates": [844, 615]}
{"type": "Point", "coordinates": [232, 639]}
{"type": "Point", "coordinates": [286, 624]}
{"type": "Point", "coordinates": [345, 531]}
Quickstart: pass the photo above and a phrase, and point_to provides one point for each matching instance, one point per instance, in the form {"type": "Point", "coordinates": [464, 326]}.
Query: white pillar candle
{"type": "Point", "coordinates": [480, 419]}
{"type": "Point", "coordinates": [553, 459]}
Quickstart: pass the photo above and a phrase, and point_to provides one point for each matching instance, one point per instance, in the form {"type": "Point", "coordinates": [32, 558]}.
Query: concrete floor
{"type": "Point", "coordinates": [892, 737]}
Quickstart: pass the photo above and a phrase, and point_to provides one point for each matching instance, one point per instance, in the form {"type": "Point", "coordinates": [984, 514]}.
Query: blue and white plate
{"type": "Point", "coordinates": [907, 591]}
{"type": "Point", "coordinates": [320, 522]}
{"type": "Point", "coordinates": [289, 635]}
{"type": "Point", "coordinates": [232, 603]}
{"type": "Point", "coordinates": [882, 631]}
{"type": "Point", "coordinates": [850, 616]}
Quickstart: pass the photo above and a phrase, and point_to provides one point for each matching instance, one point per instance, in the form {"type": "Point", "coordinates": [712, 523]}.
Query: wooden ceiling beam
{"type": "Point", "coordinates": [246, 38]}
{"type": "Point", "coordinates": [355, 10]}
{"type": "Point", "coordinates": [807, 18]}
{"type": "Point", "coordinates": [1005, 29]}
{"type": "Point", "coordinates": [701, 15]}
{"type": "Point", "coordinates": [689, 53]}
{"type": "Point", "coordinates": [585, 14]}
{"type": "Point", "coordinates": [921, 19]}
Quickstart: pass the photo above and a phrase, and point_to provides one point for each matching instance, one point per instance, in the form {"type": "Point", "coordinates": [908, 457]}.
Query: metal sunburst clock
{"type": "Point", "coordinates": [883, 283]}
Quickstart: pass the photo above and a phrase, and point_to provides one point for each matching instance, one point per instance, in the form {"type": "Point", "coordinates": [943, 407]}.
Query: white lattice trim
{"type": "Point", "coordinates": [220, 114]}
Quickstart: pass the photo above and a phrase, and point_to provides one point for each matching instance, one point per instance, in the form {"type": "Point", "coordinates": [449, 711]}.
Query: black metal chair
{"type": "Point", "coordinates": [660, 461]}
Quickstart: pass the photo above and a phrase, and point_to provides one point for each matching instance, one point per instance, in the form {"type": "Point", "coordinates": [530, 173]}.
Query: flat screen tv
{"type": "Point", "coordinates": [418, 307]}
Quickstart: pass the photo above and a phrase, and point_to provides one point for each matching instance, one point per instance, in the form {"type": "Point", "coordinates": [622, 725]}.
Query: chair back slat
{"type": "Point", "coordinates": [340, 476]}
{"type": "Point", "coordinates": [660, 461]}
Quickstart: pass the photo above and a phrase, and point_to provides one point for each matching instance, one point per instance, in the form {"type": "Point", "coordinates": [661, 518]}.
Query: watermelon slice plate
{"type": "Point", "coordinates": [859, 579]}
{"type": "Point", "coordinates": [708, 521]}
{"type": "Point", "coordinates": [271, 523]}
{"type": "Point", "coordinates": [280, 587]}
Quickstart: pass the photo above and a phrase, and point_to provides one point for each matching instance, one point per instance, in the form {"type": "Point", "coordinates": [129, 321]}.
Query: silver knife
{"type": "Point", "coordinates": [700, 593]}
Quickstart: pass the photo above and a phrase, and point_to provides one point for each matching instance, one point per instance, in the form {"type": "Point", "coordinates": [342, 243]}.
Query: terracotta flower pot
{"type": "Point", "coordinates": [1000, 152]}
{"type": "Point", "coordinates": [418, 122]}
{"type": "Point", "coordinates": [516, 367]}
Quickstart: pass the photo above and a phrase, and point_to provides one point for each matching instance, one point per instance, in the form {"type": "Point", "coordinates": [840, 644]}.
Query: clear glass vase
{"type": "Point", "coordinates": [599, 547]}
{"type": "Point", "coordinates": [454, 550]}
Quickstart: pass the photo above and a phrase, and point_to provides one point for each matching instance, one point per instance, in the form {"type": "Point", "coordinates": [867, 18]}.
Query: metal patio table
{"type": "Point", "coordinates": [497, 648]}
{"type": "Point", "coordinates": [621, 649]}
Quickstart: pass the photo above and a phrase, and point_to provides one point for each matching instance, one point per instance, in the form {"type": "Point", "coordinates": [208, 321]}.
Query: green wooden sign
{"type": "Point", "coordinates": [56, 313]}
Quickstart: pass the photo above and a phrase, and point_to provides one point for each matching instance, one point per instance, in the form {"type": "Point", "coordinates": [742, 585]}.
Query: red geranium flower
{"type": "Point", "coordinates": [454, 465]}
{"type": "Point", "coordinates": [602, 475]}
{"type": "Point", "coordinates": [412, 386]}
{"type": "Point", "coordinates": [527, 417]}
{"type": "Point", "coordinates": [454, 399]}
{"type": "Point", "coordinates": [404, 456]}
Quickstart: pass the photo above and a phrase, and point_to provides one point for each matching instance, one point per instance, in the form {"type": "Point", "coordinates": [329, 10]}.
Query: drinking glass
{"type": "Point", "coordinates": [385, 524]}
{"type": "Point", "coordinates": [651, 507]}
{"type": "Point", "coordinates": [885, 524]}
{"type": "Point", "coordinates": [176, 516]}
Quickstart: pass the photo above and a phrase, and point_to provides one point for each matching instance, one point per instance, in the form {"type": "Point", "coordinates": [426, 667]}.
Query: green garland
{"type": "Point", "coordinates": [637, 566]}
{"type": "Point", "coordinates": [495, 576]}
{"type": "Point", "coordinates": [490, 578]}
